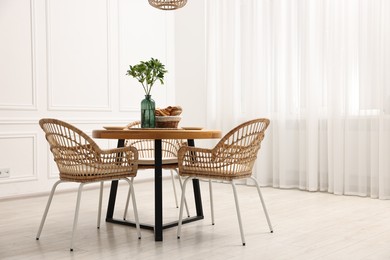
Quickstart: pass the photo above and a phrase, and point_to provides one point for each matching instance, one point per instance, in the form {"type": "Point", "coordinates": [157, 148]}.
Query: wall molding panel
{"type": "Point", "coordinates": [79, 92]}
{"type": "Point", "coordinates": [22, 168]}
{"type": "Point", "coordinates": [24, 62]}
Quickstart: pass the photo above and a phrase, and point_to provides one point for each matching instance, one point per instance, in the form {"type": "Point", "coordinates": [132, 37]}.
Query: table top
{"type": "Point", "coordinates": [156, 133]}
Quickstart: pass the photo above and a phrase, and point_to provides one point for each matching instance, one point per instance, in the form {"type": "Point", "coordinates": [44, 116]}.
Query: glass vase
{"type": "Point", "coordinates": [148, 108]}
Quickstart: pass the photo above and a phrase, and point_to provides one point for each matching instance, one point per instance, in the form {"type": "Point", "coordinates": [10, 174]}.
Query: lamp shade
{"type": "Point", "coordinates": [168, 4]}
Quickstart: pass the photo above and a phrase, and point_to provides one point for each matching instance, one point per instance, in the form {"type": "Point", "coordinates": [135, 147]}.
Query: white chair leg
{"type": "Point", "coordinates": [47, 208]}
{"type": "Point", "coordinates": [238, 213]}
{"type": "Point", "coordinates": [174, 188]}
{"type": "Point", "coordinates": [131, 189]}
{"type": "Point", "coordinates": [211, 202]}
{"type": "Point", "coordinates": [185, 200]}
{"type": "Point", "coordinates": [127, 202]}
{"type": "Point", "coordinates": [262, 202]}
{"type": "Point", "coordinates": [100, 204]}
{"type": "Point", "coordinates": [181, 206]}
{"type": "Point", "coordinates": [76, 215]}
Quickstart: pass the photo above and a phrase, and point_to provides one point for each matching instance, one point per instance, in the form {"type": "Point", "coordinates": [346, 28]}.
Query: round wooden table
{"type": "Point", "coordinates": [157, 134]}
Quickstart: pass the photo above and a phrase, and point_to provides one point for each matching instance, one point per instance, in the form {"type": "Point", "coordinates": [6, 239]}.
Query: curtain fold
{"type": "Point", "coordinates": [320, 70]}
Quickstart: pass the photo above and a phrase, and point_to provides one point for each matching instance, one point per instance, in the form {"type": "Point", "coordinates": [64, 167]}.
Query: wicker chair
{"type": "Point", "coordinates": [79, 159]}
{"type": "Point", "coordinates": [146, 158]}
{"type": "Point", "coordinates": [231, 159]}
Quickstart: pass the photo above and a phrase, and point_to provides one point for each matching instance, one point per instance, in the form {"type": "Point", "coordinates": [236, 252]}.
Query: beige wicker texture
{"type": "Point", "coordinates": [232, 158]}
{"type": "Point", "coordinates": [80, 159]}
{"type": "Point", "coordinates": [167, 121]}
{"type": "Point", "coordinates": [145, 149]}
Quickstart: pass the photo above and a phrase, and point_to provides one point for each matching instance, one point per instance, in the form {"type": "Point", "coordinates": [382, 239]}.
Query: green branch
{"type": "Point", "coordinates": [147, 73]}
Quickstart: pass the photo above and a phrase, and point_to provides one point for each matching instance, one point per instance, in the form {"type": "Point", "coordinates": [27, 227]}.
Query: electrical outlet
{"type": "Point", "coordinates": [4, 173]}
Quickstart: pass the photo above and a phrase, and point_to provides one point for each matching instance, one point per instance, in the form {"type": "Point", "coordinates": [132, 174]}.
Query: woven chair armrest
{"type": "Point", "coordinates": [189, 155]}
{"type": "Point", "coordinates": [205, 159]}
{"type": "Point", "coordinates": [124, 155]}
{"type": "Point", "coordinates": [207, 163]}
{"type": "Point", "coordinates": [213, 153]}
{"type": "Point", "coordinates": [226, 152]}
{"type": "Point", "coordinates": [191, 149]}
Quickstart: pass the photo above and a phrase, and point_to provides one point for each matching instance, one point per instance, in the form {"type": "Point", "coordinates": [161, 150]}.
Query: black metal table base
{"type": "Point", "coordinates": [151, 227]}
{"type": "Point", "coordinates": [158, 199]}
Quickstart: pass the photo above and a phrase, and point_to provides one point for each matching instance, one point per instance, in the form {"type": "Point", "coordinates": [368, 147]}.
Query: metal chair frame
{"type": "Point", "coordinates": [79, 159]}
{"type": "Point", "coordinates": [231, 159]}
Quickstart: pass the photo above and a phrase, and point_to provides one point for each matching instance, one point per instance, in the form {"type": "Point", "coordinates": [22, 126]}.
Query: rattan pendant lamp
{"type": "Point", "coordinates": [168, 4]}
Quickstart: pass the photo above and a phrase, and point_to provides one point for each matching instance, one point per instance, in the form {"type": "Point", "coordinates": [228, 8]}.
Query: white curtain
{"type": "Point", "coordinates": [320, 70]}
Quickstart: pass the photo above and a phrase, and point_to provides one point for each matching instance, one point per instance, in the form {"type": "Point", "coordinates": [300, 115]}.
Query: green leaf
{"type": "Point", "coordinates": [147, 73]}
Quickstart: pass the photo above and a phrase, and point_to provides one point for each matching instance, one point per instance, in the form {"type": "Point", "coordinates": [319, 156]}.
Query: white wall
{"type": "Point", "coordinates": [190, 58]}
{"type": "Point", "coordinates": [67, 59]}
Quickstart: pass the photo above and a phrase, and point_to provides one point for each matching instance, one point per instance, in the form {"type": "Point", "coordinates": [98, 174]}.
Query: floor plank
{"type": "Point", "coordinates": [306, 225]}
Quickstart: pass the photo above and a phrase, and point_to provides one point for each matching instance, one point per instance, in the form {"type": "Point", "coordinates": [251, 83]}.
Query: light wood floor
{"type": "Point", "coordinates": [306, 226]}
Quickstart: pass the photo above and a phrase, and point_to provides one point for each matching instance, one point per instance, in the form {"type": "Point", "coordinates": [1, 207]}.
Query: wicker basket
{"type": "Point", "coordinates": [167, 121]}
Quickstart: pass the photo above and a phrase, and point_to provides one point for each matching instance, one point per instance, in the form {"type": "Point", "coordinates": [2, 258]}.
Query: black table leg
{"type": "Point", "coordinates": [111, 200]}
{"type": "Point", "coordinates": [113, 190]}
{"type": "Point", "coordinates": [196, 187]}
{"type": "Point", "coordinates": [158, 193]}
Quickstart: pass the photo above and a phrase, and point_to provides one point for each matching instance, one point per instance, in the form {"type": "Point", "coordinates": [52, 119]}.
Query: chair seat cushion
{"type": "Point", "coordinates": [216, 171]}
{"type": "Point", "coordinates": [150, 161]}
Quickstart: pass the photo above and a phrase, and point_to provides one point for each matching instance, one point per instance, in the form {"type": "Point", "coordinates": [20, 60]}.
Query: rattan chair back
{"type": "Point", "coordinates": [239, 147]}
{"type": "Point", "coordinates": [232, 157]}
{"type": "Point", "coordinates": [145, 147]}
{"type": "Point", "coordinates": [80, 159]}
